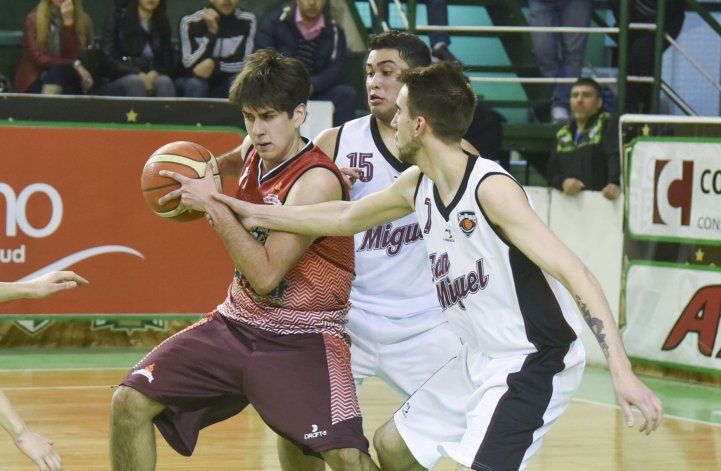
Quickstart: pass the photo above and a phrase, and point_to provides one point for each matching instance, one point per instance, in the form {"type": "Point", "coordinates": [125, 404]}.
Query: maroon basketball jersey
{"type": "Point", "coordinates": [313, 295]}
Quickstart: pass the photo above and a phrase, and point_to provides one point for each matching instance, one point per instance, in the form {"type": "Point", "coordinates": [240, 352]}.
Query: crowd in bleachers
{"type": "Point", "coordinates": [136, 55]}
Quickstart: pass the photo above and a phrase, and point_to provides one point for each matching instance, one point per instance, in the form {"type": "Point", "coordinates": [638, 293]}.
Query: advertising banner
{"type": "Point", "coordinates": [70, 199]}
{"type": "Point", "coordinates": [675, 193]}
{"type": "Point", "coordinates": [671, 297]}
{"type": "Point", "coordinates": [674, 312]}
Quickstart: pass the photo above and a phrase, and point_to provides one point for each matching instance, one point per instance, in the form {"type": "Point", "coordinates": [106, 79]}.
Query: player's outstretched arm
{"type": "Point", "coordinates": [41, 286]}
{"type": "Point", "coordinates": [335, 218]}
{"type": "Point", "coordinates": [35, 446]}
{"type": "Point", "coordinates": [507, 207]}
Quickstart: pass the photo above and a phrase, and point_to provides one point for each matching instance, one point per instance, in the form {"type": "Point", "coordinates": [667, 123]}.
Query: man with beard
{"type": "Point", "coordinates": [503, 279]}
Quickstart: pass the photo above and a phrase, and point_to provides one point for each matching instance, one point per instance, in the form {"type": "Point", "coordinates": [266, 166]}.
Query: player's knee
{"type": "Point", "coordinates": [385, 437]}
{"type": "Point", "coordinates": [344, 458]}
{"type": "Point", "coordinates": [129, 404]}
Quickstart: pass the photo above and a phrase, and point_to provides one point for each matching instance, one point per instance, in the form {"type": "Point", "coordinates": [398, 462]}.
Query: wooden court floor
{"type": "Point", "coordinates": [72, 408]}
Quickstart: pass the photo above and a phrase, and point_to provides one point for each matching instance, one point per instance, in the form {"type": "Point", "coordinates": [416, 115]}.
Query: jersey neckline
{"type": "Point", "coordinates": [275, 171]}
{"type": "Point", "coordinates": [446, 211]}
{"type": "Point", "coordinates": [385, 152]}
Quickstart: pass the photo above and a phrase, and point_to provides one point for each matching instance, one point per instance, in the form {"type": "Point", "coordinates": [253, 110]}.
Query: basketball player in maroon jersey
{"type": "Point", "coordinates": [278, 340]}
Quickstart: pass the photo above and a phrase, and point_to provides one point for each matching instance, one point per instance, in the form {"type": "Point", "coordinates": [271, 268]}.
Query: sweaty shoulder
{"type": "Point", "coordinates": [327, 140]}
{"type": "Point", "coordinates": [316, 185]}
{"type": "Point", "coordinates": [499, 194]}
{"type": "Point", "coordinates": [407, 184]}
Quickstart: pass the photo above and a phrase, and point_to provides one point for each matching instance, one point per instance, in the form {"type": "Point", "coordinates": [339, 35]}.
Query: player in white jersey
{"type": "Point", "coordinates": [396, 326]}
{"type": "Point", "coordinates": [501, 276]}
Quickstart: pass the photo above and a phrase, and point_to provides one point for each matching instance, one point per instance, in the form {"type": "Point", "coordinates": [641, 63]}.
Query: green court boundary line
{"type": "Point", "coordinates": [685, 266]}
{"type": "Point", "coordinates": [124, 126]}
{"type": "Point", "coordinates": [627, 209]}
{"type": "Point", "coordinates": [675, 366]}
{"type": "Point", "coordinates": [90, 317]}
{"type": "Point", "coordinates": [636, 409]}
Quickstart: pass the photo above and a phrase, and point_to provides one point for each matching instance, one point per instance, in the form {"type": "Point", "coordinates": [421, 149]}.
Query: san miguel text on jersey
{"type": "Point", "coordinates": [453, 291]}
{"type": "Point", "coordinates": [386, 237]}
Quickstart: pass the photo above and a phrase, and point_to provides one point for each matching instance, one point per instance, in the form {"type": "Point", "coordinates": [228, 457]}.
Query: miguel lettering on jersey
{"type": "Point", "coordinates": [385, 237]}
{"type": "Point", "coordinates": [452, 292]}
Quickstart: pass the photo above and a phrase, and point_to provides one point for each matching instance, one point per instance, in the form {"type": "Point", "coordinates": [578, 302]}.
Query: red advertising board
{"type": "Point", "coordinates": [70, 199]}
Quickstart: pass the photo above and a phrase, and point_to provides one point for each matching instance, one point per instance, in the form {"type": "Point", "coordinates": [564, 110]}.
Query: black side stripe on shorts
{"type": "Point", "coordinates": [520, 411]}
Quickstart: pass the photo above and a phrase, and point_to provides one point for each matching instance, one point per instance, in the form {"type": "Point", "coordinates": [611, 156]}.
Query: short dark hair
{"type": "Point", "coordinates": [587, 82]}
{"type": "Point", "coordinates": [441, 94]}
{"type": "Point", "coordinates": [271, 80]}
{"type": "Point", "coordinates": [410, 47]}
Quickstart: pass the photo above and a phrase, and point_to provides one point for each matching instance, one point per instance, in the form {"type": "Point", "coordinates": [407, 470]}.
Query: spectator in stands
{"type": "Point", "coordinates": [215, 42]}
{"type": "Point", "coordinates": [559, 55]}
{"type": "Point", "coordinates": [138, 50]}
{"type": "Point", "coordinates": [641, 43]}
{"type": "Point", "coordinates": [5, 85]}
{"type": "Point", "coordinates": [437, 14]}
{"type": "Point", "coordinates": [55, 34]}
{"type": "Point", "coordinates": [585, 155]}
{"type": "Point", "coordinates": [306, 31]}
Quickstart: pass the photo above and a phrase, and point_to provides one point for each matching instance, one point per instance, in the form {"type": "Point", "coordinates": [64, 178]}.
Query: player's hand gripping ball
{"type": "Point", "coordinates": [185, 158]}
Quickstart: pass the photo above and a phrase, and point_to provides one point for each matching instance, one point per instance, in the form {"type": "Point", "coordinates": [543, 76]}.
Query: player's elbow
{"type": "Point", "coordinates": [346, 225]}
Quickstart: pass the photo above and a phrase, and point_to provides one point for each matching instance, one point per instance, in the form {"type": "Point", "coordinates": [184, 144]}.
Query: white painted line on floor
{"type": "Point", "coordinates": [42, 370]}
{"type": "Point", "coordinates": [56, 388]}
{"type": "Point", "coordinates": [665, 416]}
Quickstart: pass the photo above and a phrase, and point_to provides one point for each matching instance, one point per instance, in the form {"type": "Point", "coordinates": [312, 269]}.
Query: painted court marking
{"type": "Point", "coordinates": [75, 388]}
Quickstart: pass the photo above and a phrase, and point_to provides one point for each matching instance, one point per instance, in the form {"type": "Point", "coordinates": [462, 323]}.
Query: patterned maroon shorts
{"type": "Point", "coordinates": [301, 385]}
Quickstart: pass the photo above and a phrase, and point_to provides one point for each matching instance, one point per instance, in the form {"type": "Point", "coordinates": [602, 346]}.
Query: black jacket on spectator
{"type": "Point", "coordinates": [592, 158]}
{"type": "Point", "coordinates": [229, 48]}
{"type": "Point", "coordinates": [278, 31]}
{"type": "Point", "coordinates": [124, 40]}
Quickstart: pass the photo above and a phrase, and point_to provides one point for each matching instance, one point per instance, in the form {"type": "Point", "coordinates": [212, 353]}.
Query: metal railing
{"type": "Point", "coordinates": [408, 19]}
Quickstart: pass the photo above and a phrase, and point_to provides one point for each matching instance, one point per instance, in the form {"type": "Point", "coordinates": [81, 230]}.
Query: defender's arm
{"type": "Point", "coordinates": [508, 209]}
{"type": "Point", "coordinates": [334, 218]}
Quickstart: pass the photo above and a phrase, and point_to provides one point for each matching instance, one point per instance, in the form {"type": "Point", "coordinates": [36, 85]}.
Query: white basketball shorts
{"type": "Point", "coordinates": [490, 413]}
{"type": "Point", "coordinates": [403, 352]}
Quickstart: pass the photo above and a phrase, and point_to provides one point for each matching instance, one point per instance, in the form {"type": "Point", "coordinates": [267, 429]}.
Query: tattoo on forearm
{"type": "Point", "coordinates": [595, 324]}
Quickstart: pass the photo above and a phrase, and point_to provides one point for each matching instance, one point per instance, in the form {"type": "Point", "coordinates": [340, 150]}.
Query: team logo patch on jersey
{"type": "Point", "coordinates": [272, 199]}
{"type": "Point", "coordinates": [467, 222]}
{"type": "Point", "coordinates": [147, 372]}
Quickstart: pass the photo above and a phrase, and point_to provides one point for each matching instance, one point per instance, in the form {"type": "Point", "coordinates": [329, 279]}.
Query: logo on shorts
{"type": "Point", "coordinates": [147, 372]}
{"type": "Point", "coordinates": [315, 433]}
{"type": "Point", "coordinates": [467, 222]}
{"type": "Point", "coordinates": [406, 407]}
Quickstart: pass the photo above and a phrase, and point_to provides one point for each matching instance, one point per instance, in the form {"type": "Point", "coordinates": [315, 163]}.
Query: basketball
{"type": "Point", "coordinates": [186, 158]}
